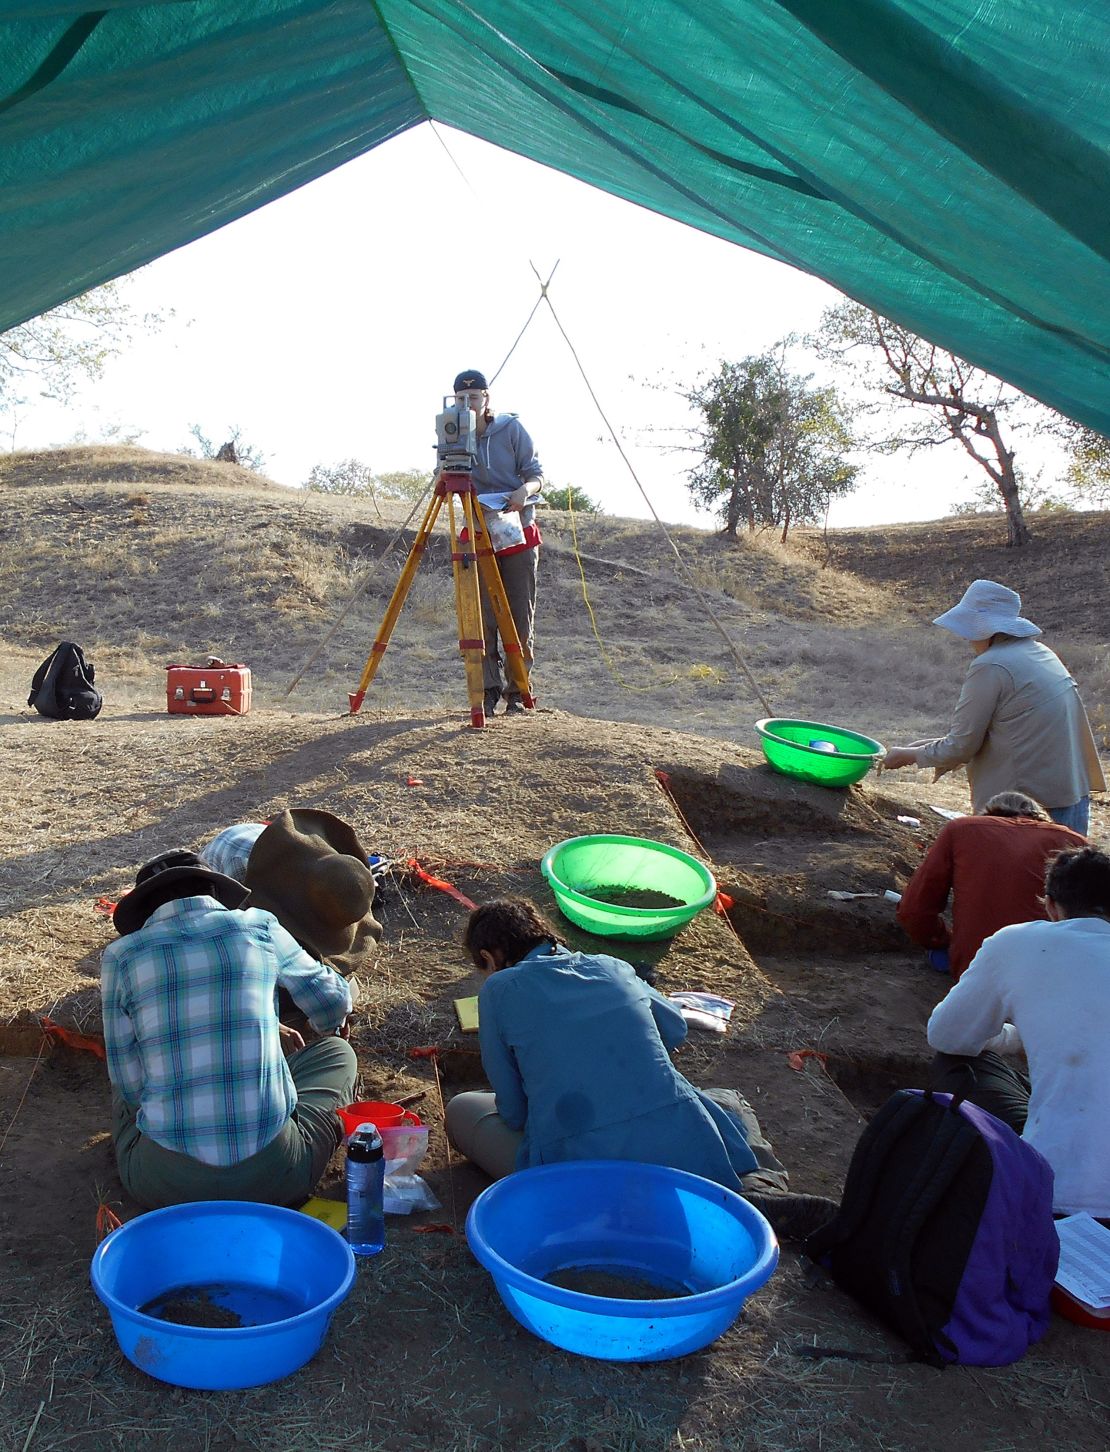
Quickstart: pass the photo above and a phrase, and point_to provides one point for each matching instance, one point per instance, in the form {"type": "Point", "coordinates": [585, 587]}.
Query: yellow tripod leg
{"type": "Point", "coordinates": [397, 600]}
{"type": "Point", "coordinates": [468, 603]}
{"type": "Point", "coordinates": [506, 625]}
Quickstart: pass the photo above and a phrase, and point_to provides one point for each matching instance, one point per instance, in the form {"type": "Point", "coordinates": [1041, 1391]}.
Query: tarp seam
{"type": "Point", "coordinates": [60, 56]}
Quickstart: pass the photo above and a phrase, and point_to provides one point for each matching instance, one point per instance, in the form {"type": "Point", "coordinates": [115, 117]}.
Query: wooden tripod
{"type": "Point", "coordinates": [472, 559]}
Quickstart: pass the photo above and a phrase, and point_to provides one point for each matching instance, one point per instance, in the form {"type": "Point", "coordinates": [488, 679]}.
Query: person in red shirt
{"type": "Point", "coordinates": [992, 866]}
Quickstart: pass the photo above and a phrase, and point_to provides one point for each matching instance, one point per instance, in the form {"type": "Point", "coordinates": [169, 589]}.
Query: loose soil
{"type": "Point", "coordinates": [589, 1282]}
{"type": "Point", "coordinates": [189, 1307]}
{"type": "Point", "coordinates": [632, 897]}
{"type": "Point", "coordinates": [831, 1002]}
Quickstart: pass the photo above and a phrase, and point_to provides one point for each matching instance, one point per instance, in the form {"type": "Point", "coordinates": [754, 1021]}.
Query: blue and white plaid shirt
{"type": "Point", "coordinates": [229, 850]}
{"type": "Point", "coordinates": [191, 1027]}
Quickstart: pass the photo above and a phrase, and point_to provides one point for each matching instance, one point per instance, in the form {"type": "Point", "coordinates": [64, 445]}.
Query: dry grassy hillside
{"type": "Point", "coordinates": [1060, 574]}
{"type": "Point", "coordinates": [146, 559]}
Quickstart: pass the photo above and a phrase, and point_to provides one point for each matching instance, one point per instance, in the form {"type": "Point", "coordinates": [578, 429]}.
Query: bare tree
{"type": "Point", "coordinates": [52, 355]}
{"type": "Point", "coordinates": [948, 400]}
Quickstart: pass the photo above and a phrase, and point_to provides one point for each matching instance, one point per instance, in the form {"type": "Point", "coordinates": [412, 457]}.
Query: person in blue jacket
{"type": "Point", "coordinates": [577, 1048]}
{"type": "Point", "coordinates": [508, 478]}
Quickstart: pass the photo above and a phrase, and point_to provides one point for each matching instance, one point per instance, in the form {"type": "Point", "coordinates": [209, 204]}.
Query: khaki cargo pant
{"type": "Point", "coordinates": [284, 1172]}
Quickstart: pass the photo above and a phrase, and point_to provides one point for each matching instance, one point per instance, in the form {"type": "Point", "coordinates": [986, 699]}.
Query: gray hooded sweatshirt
{"type": "Point", "coordinates": [507, 459]}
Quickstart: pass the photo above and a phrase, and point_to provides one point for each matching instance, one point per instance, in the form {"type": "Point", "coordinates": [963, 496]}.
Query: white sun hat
{"type": "Point", "coordinates": [987, 609]}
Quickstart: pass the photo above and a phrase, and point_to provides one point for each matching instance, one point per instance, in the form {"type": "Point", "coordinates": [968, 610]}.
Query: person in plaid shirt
{"type": "Point", "coordinates": [205, 1104]}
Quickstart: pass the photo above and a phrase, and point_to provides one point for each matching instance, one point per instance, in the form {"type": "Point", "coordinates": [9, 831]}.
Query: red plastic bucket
{"type": "Point", "coordinates": [377, 1112]}
{"type": "Point", "coordinates": [1067, 1306]}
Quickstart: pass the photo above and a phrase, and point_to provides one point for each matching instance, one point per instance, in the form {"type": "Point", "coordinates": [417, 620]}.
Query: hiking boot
{"type": "Point", "coordinates": [493, 696]}
{"type": "Point", "coordinates": [514, 706]}
{"type": "Point", "coordinates": [794, 1217]}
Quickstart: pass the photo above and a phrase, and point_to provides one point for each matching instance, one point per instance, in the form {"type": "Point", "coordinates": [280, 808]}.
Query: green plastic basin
{"type": "Point", "coordinates": [786, 747]}
{"type": "Point", "coordinates": [611, 862]}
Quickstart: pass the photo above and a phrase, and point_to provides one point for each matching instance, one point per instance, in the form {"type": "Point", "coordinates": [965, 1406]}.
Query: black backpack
{"type": "Point", "coordinates": [945, 1231]}
{"type": "Point", "coordinates": [62, 686]}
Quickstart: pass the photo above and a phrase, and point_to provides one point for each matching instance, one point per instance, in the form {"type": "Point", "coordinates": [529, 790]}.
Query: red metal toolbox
{"type": "Point", "coordinates": [215, 689]}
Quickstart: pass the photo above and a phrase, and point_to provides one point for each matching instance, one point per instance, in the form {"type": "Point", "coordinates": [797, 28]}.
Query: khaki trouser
{"type": "Point", "coordinates": [518, 574]}
{"type": "Point", "coordinates": [284, 1172]}
{"type": "Point", "coordinates": [477, 1131]}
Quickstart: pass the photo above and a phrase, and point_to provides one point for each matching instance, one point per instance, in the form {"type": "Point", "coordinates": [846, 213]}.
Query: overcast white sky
{"type": "Point", "coordinates": [330, 323]}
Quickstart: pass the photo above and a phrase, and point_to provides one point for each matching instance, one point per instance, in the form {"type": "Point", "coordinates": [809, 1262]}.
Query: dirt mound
{"type": "Point", "coordinates": [1060, 574]}
{"type": "Point", "coordinates": [89, 464]}
{"type": "Point", "coordinates": [755, 570]}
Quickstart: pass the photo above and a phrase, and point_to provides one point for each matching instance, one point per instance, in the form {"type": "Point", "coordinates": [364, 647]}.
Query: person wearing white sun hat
{"type": "Point", "coordinates": [1019, 724]}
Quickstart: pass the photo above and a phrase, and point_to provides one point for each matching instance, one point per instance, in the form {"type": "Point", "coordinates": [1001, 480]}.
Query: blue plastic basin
{"type": "Point", "coordinates": [281, 1272]}
{"type": "Point", "coordinates": [642, 1222]}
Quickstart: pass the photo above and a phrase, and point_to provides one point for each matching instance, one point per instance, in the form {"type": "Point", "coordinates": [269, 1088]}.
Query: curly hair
{"type": "Point", "coordinates": [510, 925]}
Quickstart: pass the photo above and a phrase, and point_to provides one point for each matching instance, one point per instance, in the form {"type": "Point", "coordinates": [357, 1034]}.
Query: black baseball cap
{"type": "Point", "coordinates": [470, 379]}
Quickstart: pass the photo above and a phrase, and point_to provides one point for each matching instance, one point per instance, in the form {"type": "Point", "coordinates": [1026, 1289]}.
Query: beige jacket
{"type": "Point", "coordinates": [1019, 725]}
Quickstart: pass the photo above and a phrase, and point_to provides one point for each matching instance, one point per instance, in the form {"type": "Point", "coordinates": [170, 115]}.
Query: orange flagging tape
{"type": "Point", "coordinates": [106, 1221]}
{"type": "Point", "coordinates": [797, 1058]}
{"type": "Point", "coordinates": [71, 1038]}
{"type": "Point", "coordinates": [440, 884]}
{"type": "Point", "coordinates": [104, 905]}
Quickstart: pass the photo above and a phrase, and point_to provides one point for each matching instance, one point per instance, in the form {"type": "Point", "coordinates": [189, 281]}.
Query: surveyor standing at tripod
{"type": "Point", "coordinates": [507, 479]}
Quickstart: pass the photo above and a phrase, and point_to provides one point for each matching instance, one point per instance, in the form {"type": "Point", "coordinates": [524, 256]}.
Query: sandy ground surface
{"type": "Point", "coordinates": [423, 1355]}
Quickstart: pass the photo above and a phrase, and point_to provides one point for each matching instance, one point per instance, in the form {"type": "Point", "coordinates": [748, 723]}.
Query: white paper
{"type": "Point", "coordinates": [947, 812]}
{"type": "Point", "coordinates": [1084, 1260]}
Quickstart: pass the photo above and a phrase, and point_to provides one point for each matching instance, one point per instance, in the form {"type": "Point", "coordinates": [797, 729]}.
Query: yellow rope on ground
{"type": "Point", "coordinates": [625, 685]}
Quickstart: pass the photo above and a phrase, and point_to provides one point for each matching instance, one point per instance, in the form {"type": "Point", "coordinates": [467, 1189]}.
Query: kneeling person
{"type": "Point", "coordinates": [577, 1048]}
{"type": "Point", "coordinates": [1044, 987]}
{"type": "Point", "coordinates": [205, 1105]}
{"type": "Point", "coordinates": [992, 866]}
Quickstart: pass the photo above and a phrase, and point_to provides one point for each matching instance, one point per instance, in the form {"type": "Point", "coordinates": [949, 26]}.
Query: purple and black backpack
{"type": "Point", "coordinates": [945, 1231]}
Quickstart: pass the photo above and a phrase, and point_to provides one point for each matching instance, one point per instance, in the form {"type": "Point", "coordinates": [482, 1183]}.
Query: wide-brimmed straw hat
{"type": "Point", "coordinates": [309, 869]}
{"type": "Point", "coordinates": [173, 874]}
{"type": "Point", "coordinates": [987, 609]}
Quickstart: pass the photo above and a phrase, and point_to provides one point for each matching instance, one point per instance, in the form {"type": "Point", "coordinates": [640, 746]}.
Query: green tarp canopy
{"type": "Point", "coordinates": [943, 161]}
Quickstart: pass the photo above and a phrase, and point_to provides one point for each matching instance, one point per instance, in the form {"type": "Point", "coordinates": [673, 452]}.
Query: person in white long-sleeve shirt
{"type": "Point", "coordinates": [1044, 987]}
